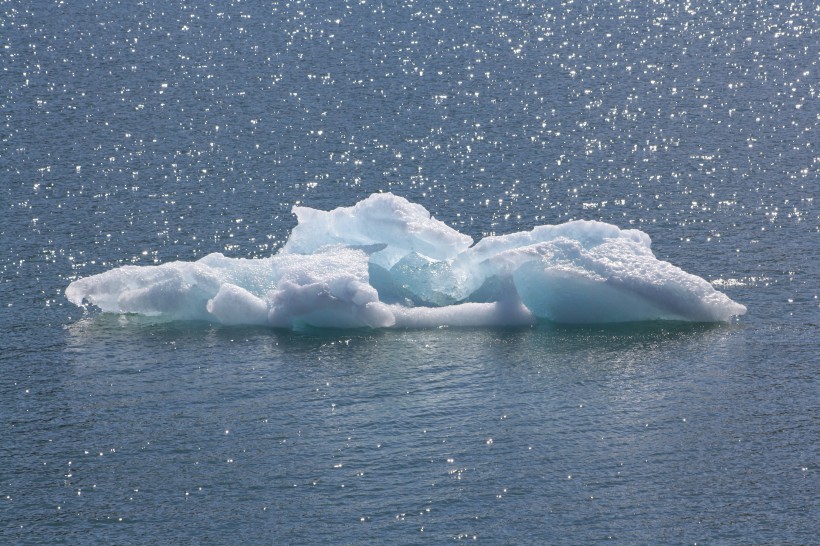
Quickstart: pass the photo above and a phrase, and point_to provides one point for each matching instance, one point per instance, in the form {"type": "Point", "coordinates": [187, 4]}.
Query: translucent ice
{"type": "Point", "coordinates": [385, 262]}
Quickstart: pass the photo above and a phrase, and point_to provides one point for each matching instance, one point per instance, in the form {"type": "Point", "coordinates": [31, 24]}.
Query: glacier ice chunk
{"type": "Point", "coordinates": [386, 262]}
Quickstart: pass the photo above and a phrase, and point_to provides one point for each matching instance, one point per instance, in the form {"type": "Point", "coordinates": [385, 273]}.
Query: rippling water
{"type": "Point", "coordinates": [156, 131]}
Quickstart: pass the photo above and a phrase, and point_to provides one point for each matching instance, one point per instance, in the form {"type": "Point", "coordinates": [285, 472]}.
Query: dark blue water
{"type": "Point", "coordinates": [157, 131]}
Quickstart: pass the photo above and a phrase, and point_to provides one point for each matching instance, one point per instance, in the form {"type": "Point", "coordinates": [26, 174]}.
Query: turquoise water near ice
{"type": "Point", "coordinates": [159, 131]}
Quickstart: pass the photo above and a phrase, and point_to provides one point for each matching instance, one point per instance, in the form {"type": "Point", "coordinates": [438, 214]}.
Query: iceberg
{"type": "Point", "coordinates": [387, 263]}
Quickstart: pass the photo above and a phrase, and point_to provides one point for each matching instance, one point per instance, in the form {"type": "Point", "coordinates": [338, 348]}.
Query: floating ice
{"type": "Point", "coordinates": [385, 262]}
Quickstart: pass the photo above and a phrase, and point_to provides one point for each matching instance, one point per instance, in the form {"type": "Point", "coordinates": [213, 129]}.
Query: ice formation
{"type": "Point", "coordinates": [385, 262]}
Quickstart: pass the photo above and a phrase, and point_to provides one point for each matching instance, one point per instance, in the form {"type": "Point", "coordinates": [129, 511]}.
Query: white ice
{"type": "Point", "coordinates": [385, 262]}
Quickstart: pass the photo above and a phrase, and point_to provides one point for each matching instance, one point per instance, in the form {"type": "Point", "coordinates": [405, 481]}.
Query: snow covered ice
{"type": "Point", "coordinates": [385, 262]}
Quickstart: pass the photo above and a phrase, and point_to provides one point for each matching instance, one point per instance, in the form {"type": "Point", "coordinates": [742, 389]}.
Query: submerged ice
{"type": "Point", "coordinates": [385, 262]}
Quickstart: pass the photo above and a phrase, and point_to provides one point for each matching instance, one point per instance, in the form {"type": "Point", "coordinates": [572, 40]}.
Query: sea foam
{"type": "Point", "coordinates": [385, 262]}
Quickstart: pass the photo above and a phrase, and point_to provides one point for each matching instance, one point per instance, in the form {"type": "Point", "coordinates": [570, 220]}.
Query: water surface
{"type": "Point", "coordinates": [159, 131]}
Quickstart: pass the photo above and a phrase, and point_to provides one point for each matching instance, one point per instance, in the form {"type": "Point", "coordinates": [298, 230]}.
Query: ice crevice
{"type": "Point", "coordinates": [386, 262]}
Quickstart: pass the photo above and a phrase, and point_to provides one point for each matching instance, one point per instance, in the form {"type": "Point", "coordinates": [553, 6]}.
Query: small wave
{"type": "Point", "coordinates": [741, 282]}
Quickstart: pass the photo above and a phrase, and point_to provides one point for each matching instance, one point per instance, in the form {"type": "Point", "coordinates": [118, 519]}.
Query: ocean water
{"type": "Point", "coordinates": [150, 132]}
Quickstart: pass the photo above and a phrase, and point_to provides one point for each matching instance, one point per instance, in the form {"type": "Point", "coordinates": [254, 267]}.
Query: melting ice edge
{"type": "Point", "coordinates": [385, 262]}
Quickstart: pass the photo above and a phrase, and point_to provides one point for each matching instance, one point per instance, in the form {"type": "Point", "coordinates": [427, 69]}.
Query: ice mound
{"type": "Point", "coordinates": [392, 226]}
{"type": "Point", "coordinates": [385, 262]}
